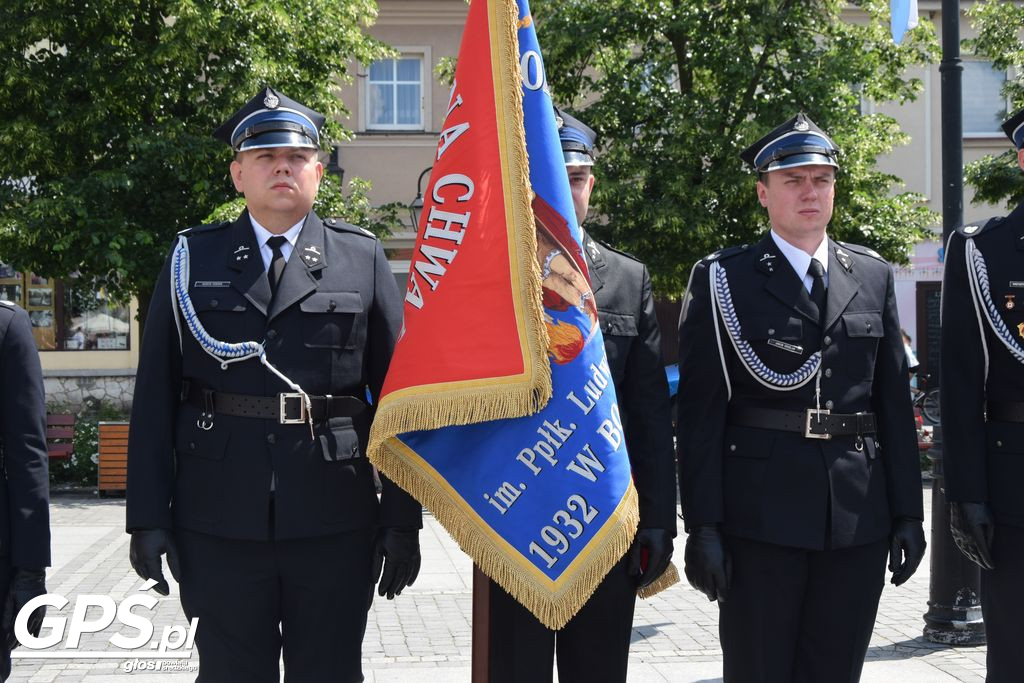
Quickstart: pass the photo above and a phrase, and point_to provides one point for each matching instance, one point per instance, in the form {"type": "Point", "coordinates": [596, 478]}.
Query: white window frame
{"type": "Point", "coordinates": [422, 52]}
{"type": "Point", "coordinates": [997, 132]}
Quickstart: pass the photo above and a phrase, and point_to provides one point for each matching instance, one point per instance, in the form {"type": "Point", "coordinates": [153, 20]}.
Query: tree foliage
{"type": "Point", "coordinates": [108, 107]}
{"type": "Point", "coordinates": [1000, 27]}
{"type": "Point", "coordinates": [677, 88]}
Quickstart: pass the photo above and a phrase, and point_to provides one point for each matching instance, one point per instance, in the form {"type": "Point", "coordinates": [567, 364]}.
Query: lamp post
{"type": "Point", "coordinates": [417, 204]}
{"type": "Point", "coordinates": [954, 603]}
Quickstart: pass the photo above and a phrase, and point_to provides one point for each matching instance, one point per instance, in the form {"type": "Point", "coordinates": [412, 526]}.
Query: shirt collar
{"type": "Point", "coordinates": [262, 234]}
{"type": "Point", "coordinates": [800, 259]}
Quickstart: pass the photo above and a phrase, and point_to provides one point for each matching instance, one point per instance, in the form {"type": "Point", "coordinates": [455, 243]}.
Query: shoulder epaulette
{"type": "Point", "coordinates": [620, 252]}
{"type": "Point", "coordinates": [206, 227]}
{"type": "Point", "coordinates": [978, 227]}
{"type": "Point", "coordinates": [725, 253]}
{"type": "Point", "coordinates": [861, 249]}
{"type": "Point", "coordinates": [342, 226]}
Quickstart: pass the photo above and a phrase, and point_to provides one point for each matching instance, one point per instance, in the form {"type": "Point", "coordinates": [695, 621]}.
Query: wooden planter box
{"type": "Point", "coordinates": [113, 466]}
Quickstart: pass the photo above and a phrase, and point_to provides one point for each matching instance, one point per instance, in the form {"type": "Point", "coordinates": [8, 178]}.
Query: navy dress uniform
{"type": "Point", "coordinates": [798, 462]}
{"type": "Point", "coordinates": [594, 645]}
{"type": "Point", "coordinates": [25, 490]}
{"type": "Point", "coordinates": [253, 479]}
{"type": "Point", "coordinates": [983, 415]}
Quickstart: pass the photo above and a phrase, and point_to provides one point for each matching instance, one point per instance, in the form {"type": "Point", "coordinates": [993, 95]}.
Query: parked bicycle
{"type": "Point", "coordinates": [928, 401]}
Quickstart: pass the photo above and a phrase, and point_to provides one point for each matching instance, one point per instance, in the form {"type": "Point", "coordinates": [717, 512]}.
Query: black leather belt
{"type": "Point", "coordinates": [1004, 411]}
{"type": "Point", "coordinates": [286, 408]}
{"type": "Point", "coordinates": [813, 424]}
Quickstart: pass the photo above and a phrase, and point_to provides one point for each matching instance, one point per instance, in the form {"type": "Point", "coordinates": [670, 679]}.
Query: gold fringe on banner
{"type": "Point", "coordinates": [668, 578]}
{"type": "Point", "coordinates": [554, 607]}
{"type": "Point", "coordinates": [492, 399]}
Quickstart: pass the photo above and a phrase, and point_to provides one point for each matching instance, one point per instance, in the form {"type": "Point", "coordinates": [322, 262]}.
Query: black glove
{"type": "Point", "coordinates": [649, 555]}
{"type": "Point", "coordinates": [146, 548]}
{"type": "Point", "coordinates": [708, 566]}
{"type": "Point", "coordinates": [907, 541]}
{"type": "Point", "coordinates": [25, 585]}
{"type": "Point", "coordinates": [973, 530]}
{"type": "Point", "coordinates": [401, 549]}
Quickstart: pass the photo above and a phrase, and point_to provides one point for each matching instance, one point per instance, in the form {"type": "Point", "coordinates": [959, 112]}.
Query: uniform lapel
{"type": "Point", "coordinates": [307, 257]}
{"type": "Point", "coordinates": [244, 258]}
{"type": "Point", "coordinates": [595, 263]}
{"type": "Point", "coordinates": [842, 283]}
{"type": "Point", "coordinates": [783, 283]}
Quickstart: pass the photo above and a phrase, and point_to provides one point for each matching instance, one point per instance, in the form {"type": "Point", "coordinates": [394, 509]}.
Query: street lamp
{"type": "Point", "coordinates": [417, 204]}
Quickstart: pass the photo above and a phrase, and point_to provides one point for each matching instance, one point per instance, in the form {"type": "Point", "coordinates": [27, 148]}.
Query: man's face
{"type": "Point", "coordinates": [581, 183]}
{"type": "Point", "coordinates": [1020, 158]}
{"type": "Point", "coordinates": [279, 183]}
{"type": "Point", "coordinates": [799, 200]}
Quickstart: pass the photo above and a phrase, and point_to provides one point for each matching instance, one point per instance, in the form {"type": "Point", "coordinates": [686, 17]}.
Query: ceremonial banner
{"type": "Point", "coordinates": [903, 18]}
{"type": "Point", "coordinates": [499, 412]}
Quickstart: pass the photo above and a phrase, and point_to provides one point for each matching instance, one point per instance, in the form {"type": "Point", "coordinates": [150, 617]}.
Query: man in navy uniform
{"type": "Point", "coordinates": [798, 460]}
{"type": "Point", "coordinates": [251, 478]}
{"type": "Point", "coordinates": [25, 492]}
{"type": "Point", "coordinates": [983, 415]}
{"type": "Point", "coordinates": [594, 645]}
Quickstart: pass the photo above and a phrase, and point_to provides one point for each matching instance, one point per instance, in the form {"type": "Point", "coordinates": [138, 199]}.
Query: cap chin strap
{"type": "Point", "coordinates": [223, 352]}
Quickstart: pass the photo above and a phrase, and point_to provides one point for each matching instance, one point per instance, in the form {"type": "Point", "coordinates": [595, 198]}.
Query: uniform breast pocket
{"type": "Point", "coordinates": [778, 341]}
{"type": "Point", "coordinates": [619, 330]}
{"type": "Point", "coordinates": [330, 320]}
{"type": "Point", "coordinates": [863, 330]}
{"type": "Point", "coordinates": [220, 311]}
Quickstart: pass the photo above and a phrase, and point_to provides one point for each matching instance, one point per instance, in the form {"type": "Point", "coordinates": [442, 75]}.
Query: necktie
{"type": "Point", "coordinates": [817, 272]}
{"type": "Point", "coordinates": [276, 262]}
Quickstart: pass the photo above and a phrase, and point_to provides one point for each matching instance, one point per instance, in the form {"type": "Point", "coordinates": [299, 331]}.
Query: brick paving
{"type": "Point", "coordinates": [424, 635]}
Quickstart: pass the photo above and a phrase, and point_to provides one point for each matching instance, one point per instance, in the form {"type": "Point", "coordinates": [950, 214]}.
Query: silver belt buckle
{"type": "Point", "coordinates": [811, 415]}
{"type": "Point", "coordinates": [283, 409]}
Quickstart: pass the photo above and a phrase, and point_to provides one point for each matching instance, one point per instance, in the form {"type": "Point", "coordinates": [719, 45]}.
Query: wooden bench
{"type": "Point", "coordinates": [60, 431]}
{"type": "Point", "coordinates": [113, 466]}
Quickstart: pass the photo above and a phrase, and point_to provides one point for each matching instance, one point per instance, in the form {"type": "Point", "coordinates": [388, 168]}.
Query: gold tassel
{"type": "Point", "coordinates": [668, 578]}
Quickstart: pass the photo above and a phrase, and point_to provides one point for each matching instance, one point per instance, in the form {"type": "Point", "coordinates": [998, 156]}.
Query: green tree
{"type": "Point", "coordinates": [108, 106]}
{"type": "Point", "coordinates": [1000, 27]}
{"type": "Point", "coordinates": [677, 88]}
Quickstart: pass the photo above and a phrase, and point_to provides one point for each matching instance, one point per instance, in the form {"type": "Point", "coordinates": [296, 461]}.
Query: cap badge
{"type": "Point", "coordinates": [271, 101]}
{"type": "Point", "coordinates": [801, 126]}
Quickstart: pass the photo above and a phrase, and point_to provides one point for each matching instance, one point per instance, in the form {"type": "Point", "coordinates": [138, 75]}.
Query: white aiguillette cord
{"type": "Point", "coordinates": [222, 352]}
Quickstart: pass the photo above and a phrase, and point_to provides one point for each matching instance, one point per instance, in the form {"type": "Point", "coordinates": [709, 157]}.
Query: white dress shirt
{"type": "Point", "coordinates": [801, 260]}
{"type": "Point", "coordinates": [262, 235]}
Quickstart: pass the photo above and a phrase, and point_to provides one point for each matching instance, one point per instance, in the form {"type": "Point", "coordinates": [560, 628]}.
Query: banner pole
{"type": "Point", "coordinates": [481, 655]}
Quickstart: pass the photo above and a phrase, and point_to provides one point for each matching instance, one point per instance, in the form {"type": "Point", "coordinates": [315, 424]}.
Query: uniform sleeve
{"type": "Point", "coordinates": [397, 508]}
{"type": "Point", "coordinates": [26, 463]}
{"type": "Point", "coordinates": [649, 427]}
{"type": "Point", "coordinates": [154, 414]}
{"type": "Point", "coordinates": [894, 413]}
{"type": "Point", "coordinates": [702, 403]}
{"type": "Point", "coordinates": [963, 384]}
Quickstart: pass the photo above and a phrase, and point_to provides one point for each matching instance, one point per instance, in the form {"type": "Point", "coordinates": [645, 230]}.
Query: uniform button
{"type": "Point", "coordinates": [869, 327]}
{"type": "Point", "coordinates": [271, 334]}
{"type": "Point", "coordinates": [826, 341]}
{"type": "Point", "coordinates": [828, 372]}
{"type": "Point", "coordinates": [191, 445]}
{"type": "Point", "coordinates": [214, 302]}
{"type": "Point", "coordinates": [999, 444]}
{"type": "Point", "coordinates": [271, 439]}
{"type": "Point", "coordinates": [771, 330]}
{"type": "Point", "coordinates": [828, 405]}
{"type": "Point", "coordinates": [732, 447]}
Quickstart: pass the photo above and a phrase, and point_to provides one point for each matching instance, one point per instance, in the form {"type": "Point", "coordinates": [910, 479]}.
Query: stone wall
{"type": "Point", "coordinates": [69, 389]}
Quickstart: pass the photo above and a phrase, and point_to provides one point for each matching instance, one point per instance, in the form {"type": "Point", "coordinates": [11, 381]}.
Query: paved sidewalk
{"type": "Point", "coordinates": [424, 635]}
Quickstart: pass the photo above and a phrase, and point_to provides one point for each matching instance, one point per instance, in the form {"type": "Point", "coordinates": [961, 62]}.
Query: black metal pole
{"type": "Point", "coordinates": [954, 603]}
